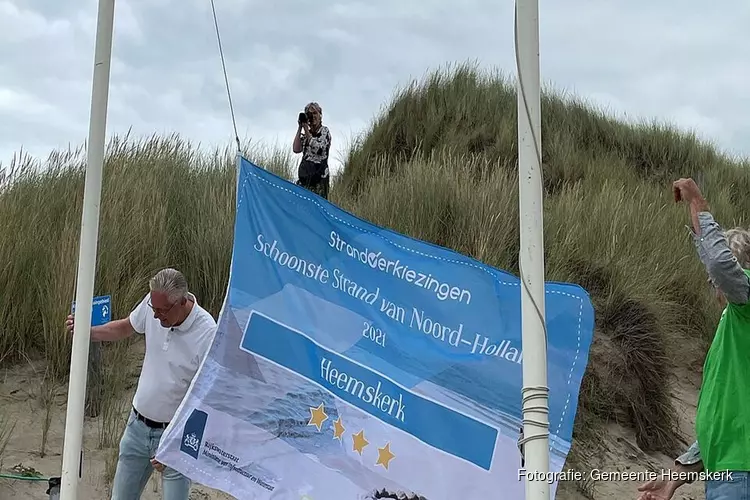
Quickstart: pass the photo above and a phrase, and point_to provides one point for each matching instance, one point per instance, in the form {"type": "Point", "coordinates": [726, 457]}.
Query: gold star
{"type": "Point", "coordinates": [359, 442]}
{"type": "Point", "coordinates": [318, 416]}
{"type": "Point", "coordinates": [385, 456]}
{"type": "Point", "coordinates": [338, 429]}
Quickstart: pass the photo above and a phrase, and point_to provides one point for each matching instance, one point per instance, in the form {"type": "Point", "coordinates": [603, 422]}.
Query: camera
{"type": "Point", "coordinates": [302, 118]}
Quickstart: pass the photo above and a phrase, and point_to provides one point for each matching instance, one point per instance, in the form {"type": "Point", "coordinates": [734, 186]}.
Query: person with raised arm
{"type": "Point", "coordinates": [721, 453]}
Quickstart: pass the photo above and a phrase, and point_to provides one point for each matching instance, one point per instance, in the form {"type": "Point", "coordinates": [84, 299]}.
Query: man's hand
{"type": "Point", "coordinates": [658, 489]}
{"type": "Point", "coordinates": [69, 323]}
{"type": "Point", "coordinates": [686, 190]}
{"type": "Point", "coordinates": [158, 466]}
{"type": "Point", "coordinates": [663, 489]}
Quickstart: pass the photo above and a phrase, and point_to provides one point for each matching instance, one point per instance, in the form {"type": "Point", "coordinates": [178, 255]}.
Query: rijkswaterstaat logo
{"type": "Point", "coordinates": [192, 435]}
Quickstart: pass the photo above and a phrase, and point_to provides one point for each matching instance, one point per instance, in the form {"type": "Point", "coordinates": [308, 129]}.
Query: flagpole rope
{"type": "Point", "coordinates": [226, 79]}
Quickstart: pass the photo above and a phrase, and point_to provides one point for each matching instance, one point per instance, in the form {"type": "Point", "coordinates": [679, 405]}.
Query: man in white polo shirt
{"type": "Point", "coordinates": [178, 334]}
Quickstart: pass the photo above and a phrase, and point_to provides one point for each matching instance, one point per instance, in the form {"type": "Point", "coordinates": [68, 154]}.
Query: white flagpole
{"type": "Point", "coordinates": [72, 454]}
{"type": "Point", "coordinates": [531, 258]}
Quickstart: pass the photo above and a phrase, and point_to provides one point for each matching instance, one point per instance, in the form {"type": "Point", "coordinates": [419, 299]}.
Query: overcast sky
{"type": "Point", "coordinates": [683, 61]}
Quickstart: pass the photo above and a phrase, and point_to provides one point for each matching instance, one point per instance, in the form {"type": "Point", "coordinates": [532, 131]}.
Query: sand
{"type": "Point", "coordinates": [20, 396]}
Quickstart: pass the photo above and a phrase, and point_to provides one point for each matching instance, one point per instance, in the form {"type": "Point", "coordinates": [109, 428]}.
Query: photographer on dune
{"type": "Point", "coordinates": [313, 140]}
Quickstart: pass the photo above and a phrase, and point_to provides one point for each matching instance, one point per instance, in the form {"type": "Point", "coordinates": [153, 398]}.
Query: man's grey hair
{"type": "Point", "coordinates": [738, 240]}
{"type": "Point", "coordinates": [171, 282]}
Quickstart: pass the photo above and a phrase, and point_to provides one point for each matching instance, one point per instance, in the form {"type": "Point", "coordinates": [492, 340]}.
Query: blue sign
{"type": "Point", "coordinates": [101, 310]}
{"type": "Point", "coordinates": [350, 358]}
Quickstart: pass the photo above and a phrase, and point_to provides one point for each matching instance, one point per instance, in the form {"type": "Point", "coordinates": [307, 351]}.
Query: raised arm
{"type": "Point", "coordinates": [297, 145]}
{"type": "Point", "coordinates": [299, 139]}
{"type": "Point", "coordinates": [710, 241]}
{"type": "Point", "coordinates": [722, 266]}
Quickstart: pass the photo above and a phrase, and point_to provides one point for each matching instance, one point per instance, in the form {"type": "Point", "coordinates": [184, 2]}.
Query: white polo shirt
{"type": "Point", "coordinates": [172, 358]}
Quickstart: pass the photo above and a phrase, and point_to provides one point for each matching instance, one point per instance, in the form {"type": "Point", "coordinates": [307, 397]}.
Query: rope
{"type": "Point", "coordinates": [226, 79]}
{"type": "Point", "coordinates": [23, 478]}
{"type": "Point", "coordinates": [533, 392]}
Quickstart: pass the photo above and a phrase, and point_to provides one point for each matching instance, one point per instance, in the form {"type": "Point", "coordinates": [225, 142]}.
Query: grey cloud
{"type": "Point", "coordinates": [680, 61]}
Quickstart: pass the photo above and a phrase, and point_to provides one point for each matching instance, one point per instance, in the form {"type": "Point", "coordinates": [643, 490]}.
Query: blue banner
{"type": "Point", "coordinates": [350, 359]}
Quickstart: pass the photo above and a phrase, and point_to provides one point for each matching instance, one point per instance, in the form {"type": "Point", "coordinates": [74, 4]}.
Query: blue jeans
{"type": "Point", "coordinates": [725, 488]}
{"type": "Point", "coordinates": [137, 446]}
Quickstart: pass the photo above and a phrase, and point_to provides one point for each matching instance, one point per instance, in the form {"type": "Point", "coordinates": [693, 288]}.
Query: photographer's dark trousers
{"type": "Point", "coordinates": [314, 177]}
